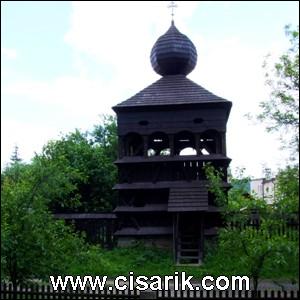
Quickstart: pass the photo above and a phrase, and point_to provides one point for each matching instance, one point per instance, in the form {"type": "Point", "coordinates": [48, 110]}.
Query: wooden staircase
{"type": "Point", "coordinates": [188, 243]}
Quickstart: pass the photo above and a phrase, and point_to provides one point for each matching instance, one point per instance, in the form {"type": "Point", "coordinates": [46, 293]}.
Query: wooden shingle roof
{"type": "Point", "coordinates": [146, 208]}
{"type": "Point", "coordinates": [182, 199]}
{"type": "Point", "coordinates": [173, 53]}
{"type": "Point", "coordinates": [172, 90]}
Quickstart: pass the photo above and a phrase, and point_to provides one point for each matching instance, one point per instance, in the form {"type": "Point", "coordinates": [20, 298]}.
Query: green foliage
{"type": "Point", "coordinates": [258, 250]}
{"type": "Point", "coordinates": [33, 245]}
{"type": "Point", "coordinates": [77, 173]}
{"type": "Point", "coordinates": [281, 262]}
{"type": "Point", "coordinates": [146, 260]}
{"type": "Point", "coordinates": [55, 179]}
{"type": "Point", "coordinates": [15, 156]}
{"type": "Point", "coordinates": [89, 158]}
{"type": "Point", "coordinates": [236, 203]}
{"type": "Point", "coordinates": [255, 251]}
{"type": "Point", "coordinates": [73, 173]}
{"type": "Point", "coordinates": [287, 191]}
{"type": "Point", "coordinates": [105, 135]}
{"type": "Point", "coordinates": [214, 177]}
{"type": "Point", "coordinates": [281, 112]}
{"type": "Point", "coordinates": [120, 261]}
{"type": "Point", "coordinates": [241, 203]}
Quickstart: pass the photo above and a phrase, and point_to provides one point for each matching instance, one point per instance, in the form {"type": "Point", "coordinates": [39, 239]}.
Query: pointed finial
{"type": "Point", "coordinates": [172, 6]}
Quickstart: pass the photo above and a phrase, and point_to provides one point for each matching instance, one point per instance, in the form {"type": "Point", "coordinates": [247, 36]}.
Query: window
{"type": "Point", "coordinates": [188, 151]}
{"type": "Point", "coordinates": [133, 144]}
{"type": "Point", "coordinates": [158, 144]}
{"type": "Point", "coordinates": [210, 142]}
{"type": "Point", "coordinates": [182, 141]}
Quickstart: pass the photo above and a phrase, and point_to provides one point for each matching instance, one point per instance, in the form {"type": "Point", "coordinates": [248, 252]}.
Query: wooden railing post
{"type": "Point", "coordinates": [148, 295]}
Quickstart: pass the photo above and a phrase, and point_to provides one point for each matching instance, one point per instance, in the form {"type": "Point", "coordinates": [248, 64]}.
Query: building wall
{"type": "Point", "coordinates": [263, 188]}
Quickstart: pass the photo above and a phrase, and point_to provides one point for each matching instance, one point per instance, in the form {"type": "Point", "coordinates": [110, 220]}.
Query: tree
{"type": "Point", "coordinates": [15, 155]}
{"type": "Point", "coordinates": [105, 135]}
{"type": "Point", "coordinates": [92, 155]}
{"type": "Point", "coordinates": [281, 112]}
{"type": "Point", "coordinates": [75, 172]}
{"type": "Point", "coordinates": [33, 244]}
{"type": "Point", "coordinates": [258, 247]}
{"type": "Point", "coordinates": [287, 192]}
{"type": "Point", "coordinates": [236, 204]}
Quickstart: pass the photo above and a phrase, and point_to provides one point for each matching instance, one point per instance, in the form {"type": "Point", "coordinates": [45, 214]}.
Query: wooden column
{"type": "Point", "coordinates": [171, 144]}
{"type": "Point", "coordinates": [197, 143]}
{"type": "Point", "coordinates": [121, 147]}
{"type": "Point", "coordinates": [145, 141]}
{"type": "Point", "coordinates": [223, 143]}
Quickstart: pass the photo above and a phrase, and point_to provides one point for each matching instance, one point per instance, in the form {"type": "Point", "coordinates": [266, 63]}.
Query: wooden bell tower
{"type": "Point", "coordinates": [167, 132]}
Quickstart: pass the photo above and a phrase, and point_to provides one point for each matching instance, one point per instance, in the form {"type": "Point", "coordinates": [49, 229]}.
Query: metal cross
{"type": "Point", "coordinates": [172, 5]}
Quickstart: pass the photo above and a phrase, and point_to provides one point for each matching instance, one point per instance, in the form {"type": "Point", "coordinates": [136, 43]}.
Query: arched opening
{"type": "Point", "coordinates": [158, 144]}
{"type": "Point", "coordinates": [150, 152]}
{"type": "Point", "coordinates": [204, 151]}
{"type": "Point", "coordinates": [210, 142]}
{"type": "Point", "coordinates": [182, 141]}
{"type": "Point", "coordinates": [166, 152]}
{"type": "Point", "coordinates": [188, 151]}
{"type": "Point", "coordinates": [134, 144]}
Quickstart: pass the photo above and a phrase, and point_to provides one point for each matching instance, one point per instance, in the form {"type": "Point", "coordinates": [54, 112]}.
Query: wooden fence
{"type": "Point", "coordinates": [45, 292]}
{"type": "Point", "coordinates": [290, 231]}
{"type": "Point", "coordinates": [98, 227]}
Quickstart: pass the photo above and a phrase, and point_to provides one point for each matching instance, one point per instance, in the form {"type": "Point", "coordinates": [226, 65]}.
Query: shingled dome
{"type": "Point", "coordinates": [173, 53]}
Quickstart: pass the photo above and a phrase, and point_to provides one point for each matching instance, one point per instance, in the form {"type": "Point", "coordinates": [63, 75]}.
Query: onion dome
{"type": "Point", "coordinates": [173, 53]}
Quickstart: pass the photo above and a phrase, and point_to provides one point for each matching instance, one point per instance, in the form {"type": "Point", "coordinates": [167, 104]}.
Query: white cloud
{"type": "Point", "coordinates": [28, 137]}
{"type": "Point", "coordinates": [117, 42]}
{"type": "Point", "coordinates": [233, 70]}
{"type": "Point", "coordinates": [9, 53]}
{"type": "Point", "coordinates": [73, 94]}
{"type": "Point", "coordinates": [121, 39]}
{"type": "Point", "coordinates": [67, 103]}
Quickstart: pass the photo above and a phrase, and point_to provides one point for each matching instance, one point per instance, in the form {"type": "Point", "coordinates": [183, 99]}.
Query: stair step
{"type": "Point", "coordinates": [188, 244]}
{"type": "Point", "coordinates": [184, 254]}
{"type": "Point", "coordinates": [189, 250]}
{"type": "Point", "coordinates": [199, 263]}
{"type": "Point", "coordinates": [189, 257]}
{"type": "Point", "coordinates": [188, 235]}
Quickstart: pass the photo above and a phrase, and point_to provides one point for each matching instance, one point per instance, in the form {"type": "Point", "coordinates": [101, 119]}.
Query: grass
{"type": "Point", "coordinates": [153, 261]}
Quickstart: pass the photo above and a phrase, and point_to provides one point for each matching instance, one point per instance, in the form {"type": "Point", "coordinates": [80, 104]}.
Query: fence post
{"type": "Point", "coordinates": [3, 290]}
{"type": "Point", "coordinates": [25, 291]}
{"type": "Point", "coordinates": [148, 295]}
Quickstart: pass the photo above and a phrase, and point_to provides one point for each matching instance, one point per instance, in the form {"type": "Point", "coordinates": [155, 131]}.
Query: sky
{"type": "Point", "coordinates": [65, 64]}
